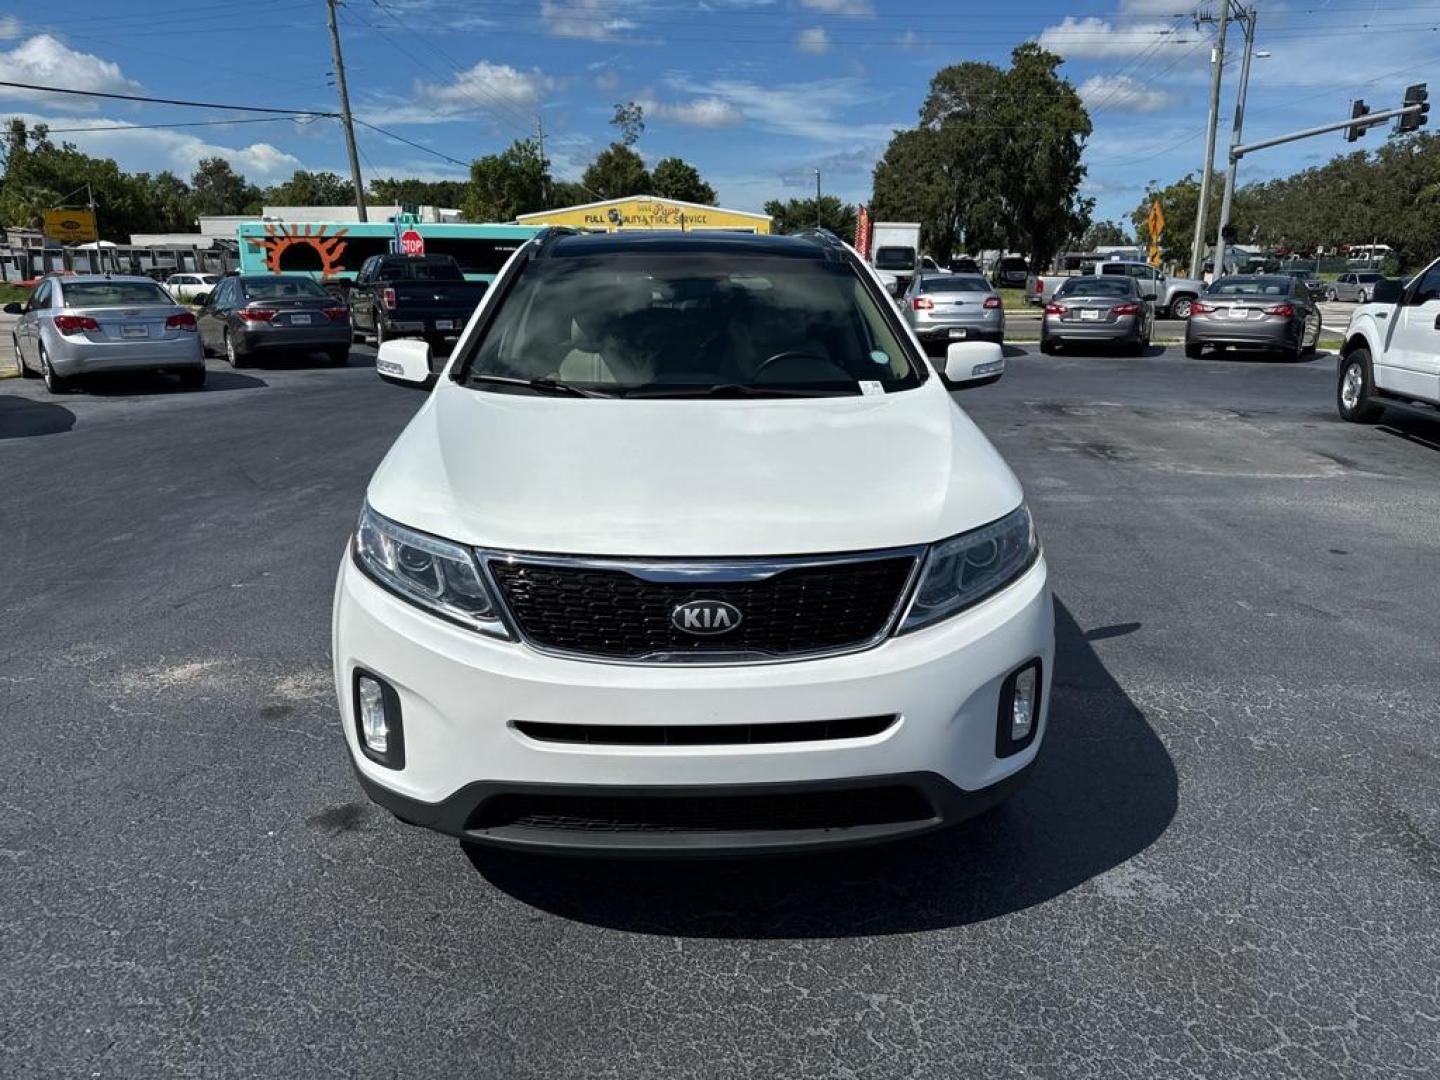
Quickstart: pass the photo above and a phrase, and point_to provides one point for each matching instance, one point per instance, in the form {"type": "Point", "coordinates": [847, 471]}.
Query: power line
{"type": "Point", "coordinates": [149, 127]}
{"type": "Point", "coordinates": [410, 142]}
{"type": "Point", "coordinates": [164, 101]}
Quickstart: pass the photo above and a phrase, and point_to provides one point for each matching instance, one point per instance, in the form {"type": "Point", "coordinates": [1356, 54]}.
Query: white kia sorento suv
{"type": "Point", "coordinates": [689, 550]}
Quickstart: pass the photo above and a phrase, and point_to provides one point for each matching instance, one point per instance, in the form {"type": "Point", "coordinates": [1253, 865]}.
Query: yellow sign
{"type": "Point", "coordinates": [643, 213]}
{"type": "Point", "coordinates": [71, 226]}
{"type": "Point", "coordinates": [1156, 222]}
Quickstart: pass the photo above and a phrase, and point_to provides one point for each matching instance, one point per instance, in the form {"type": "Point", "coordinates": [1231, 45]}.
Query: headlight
{"type": "Point", "coordinates": [962, 571]}
{"type": "Point", "coordinates": [427, 571]}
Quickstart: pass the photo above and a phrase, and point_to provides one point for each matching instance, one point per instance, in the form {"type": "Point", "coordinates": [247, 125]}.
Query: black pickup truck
{"type": "Point", "coordinates": [413, 296]}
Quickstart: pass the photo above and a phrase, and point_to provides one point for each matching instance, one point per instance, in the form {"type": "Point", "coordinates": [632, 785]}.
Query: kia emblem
{"type": "Point", "coordinates": [705, 617]}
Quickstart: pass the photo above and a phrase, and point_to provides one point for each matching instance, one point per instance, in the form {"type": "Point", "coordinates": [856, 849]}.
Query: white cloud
{"type": "Point", "coordinates": [9, 27]}
{"type": "Point", "coordinates": [851, 8]}
{"type": "Point", "coordinates": [1151, 7]}
{"type": "Point", "coordinates": [1122, 93]}
{"type": "Point", "coordinates": [155, 149]}
{"type": "Point", "coordinates": [813, 40]}
{"type": "Point", "coordinates": [607, 80]}
{"type": "Point", "coordinates": [812, 110]}
{"type": "Point", "coordinates": [593, 20]}
{"type": "Point", "coordinates": [707, 112]}
{"type": "Point", "coordinates": [482, 91]}
{"type": "Point", "coordinates": [47, 61]}
{"type": "Point", "coordinates": [1094, 38]}
{"type": "Point", "coordinates": [909, 41]}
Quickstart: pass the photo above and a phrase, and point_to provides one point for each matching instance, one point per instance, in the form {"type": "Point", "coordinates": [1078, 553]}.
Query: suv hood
{"type": "Point", "coordinates": [692, 478]}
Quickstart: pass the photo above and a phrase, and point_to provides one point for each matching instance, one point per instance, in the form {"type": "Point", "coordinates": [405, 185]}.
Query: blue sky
{"type": "Point", "coordinates": [756, 93]}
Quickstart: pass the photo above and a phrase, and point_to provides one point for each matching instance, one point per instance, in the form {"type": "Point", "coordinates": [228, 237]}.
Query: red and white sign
{"type": "Point", "coordinates": [412, 243]}
{"type": "Point", "coordinates": [862, 232]}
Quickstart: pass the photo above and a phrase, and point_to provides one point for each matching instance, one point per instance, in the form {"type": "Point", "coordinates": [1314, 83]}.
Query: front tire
{"type": "Point", "coordinates": [1354, 390]}
{"type": "Point", "coordinates": [1364, 297]}
{"type": "Point", "coordinates": [1180, 309]}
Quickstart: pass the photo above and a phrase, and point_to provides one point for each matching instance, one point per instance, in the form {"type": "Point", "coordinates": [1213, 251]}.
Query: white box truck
{"type": "Point", "coordinates": [895, 253]}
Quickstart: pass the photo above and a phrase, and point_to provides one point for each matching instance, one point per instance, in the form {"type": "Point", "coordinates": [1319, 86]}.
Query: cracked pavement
{"type": "Point", "coordinates": [1226, 865]}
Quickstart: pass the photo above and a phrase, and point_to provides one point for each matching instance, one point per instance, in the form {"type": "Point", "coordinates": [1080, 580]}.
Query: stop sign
{"type": "Point", "coordinates": [412, 243]}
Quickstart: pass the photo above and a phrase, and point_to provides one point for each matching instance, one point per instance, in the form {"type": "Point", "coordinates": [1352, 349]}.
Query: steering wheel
{"type": "Point", "coordinates": [790, 354]}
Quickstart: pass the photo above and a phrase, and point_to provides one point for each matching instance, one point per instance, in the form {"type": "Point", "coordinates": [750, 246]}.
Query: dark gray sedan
{"type": "Point", "coordinates": [1100, 311]}
{"type": "Point", "coordinates": [1254, 311]}
{"type": "Point", "coordinates": [942, 308]}
{"type": "Point", "coordinates": [274, 313]}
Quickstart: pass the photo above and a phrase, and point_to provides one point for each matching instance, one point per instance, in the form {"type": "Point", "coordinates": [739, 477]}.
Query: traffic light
{"type": "Point", "coordinates": [1415, 95]}
{"type": "Point", "coordinates": [1357, 110]}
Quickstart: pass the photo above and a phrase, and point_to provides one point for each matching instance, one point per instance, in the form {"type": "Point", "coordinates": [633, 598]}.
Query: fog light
{"type": "Point", "coordinates": [1019, 710]}
{"type": "Point", "coordinates": [377, 720]}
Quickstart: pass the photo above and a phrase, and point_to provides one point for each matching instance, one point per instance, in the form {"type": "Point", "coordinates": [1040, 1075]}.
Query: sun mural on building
{"type": "Point", "coordinates": [285, 248]}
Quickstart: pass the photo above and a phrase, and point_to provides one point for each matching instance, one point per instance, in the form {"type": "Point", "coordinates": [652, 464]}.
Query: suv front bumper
{"type": "Point", "coordinates": [470, 771]}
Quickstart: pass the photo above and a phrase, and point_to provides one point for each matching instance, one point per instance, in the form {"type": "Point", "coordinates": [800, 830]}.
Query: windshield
{"type": "Point", "coordinates": [1250, 286]}
{"type": "Point", "coordinates": [894, 258]}
{"type": "Point", "coordinates": [955, 283]}
{"type": "Point", "coordinates": [1368, 277]}
{"type": "Point", "coordinates": [693, 323]}
{"type": "Point", "coordinates": [283, 289]}
{"type": "Point", "coordinates": [109, 293]}
{"type": "Point", "coordinates": [1096, 286]}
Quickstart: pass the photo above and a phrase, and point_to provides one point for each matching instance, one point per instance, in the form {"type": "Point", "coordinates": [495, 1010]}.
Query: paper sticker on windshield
{"type": "Point", "coordinates": [880, 358]}
{"type": "Point", "coordinates": [869, 387]}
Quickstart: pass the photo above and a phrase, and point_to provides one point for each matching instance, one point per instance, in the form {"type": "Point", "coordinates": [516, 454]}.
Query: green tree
{"type": "Point", "coordinates": [617, 172]}
{"type": "Point", "coordinates": [677, 179]}
{"type": "Point", "coordinates": [170, 201]}
{"type": "Point", "coordinates": [568, 193]}
{"type": "Point", "coordinates": [406, 192]}
{"type": "Point", "coordinates": [312, 189]}
{"type": "Point", "coordinates": [216, 188]}
{"type": "Point", "coordinates": [994, 159]}
{"type": "Point", "coordinates": [514, 181]}
{"type": "Point", "coordinates": [1179, 202]}
{"type": "Point", "coordinates": [1105, 234]}
{"type": "Point", "coordinates": [629, 120]}
{"type": "Point", "coordinates": [797, 215]}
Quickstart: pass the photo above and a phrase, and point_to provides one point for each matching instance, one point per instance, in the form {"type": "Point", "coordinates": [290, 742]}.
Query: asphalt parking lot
{"type": "Point", "coordinates": [1227, 863]}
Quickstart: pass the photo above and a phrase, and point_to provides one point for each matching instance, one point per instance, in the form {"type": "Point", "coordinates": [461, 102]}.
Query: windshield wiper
{"type": "Point", "coordinates": [724, 390]}
{"type": "Point", "coordinates": [540, 384]}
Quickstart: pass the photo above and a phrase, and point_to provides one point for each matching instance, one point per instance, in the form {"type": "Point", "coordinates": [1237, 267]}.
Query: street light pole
{"type": "Point", "coordinates": [345, 119]}
{"type": "Point", "coordinates": [1248, 18]}
{"type": "Point", "coordinates": [1197, 246]}
{"type": "Point", "coordinates": [817, 198]}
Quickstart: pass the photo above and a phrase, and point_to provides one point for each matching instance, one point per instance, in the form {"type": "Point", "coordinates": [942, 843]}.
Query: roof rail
{"type": "Point", "coordinates": [547, 236]}
{"type": "Point", "coordinates": [833, 245]}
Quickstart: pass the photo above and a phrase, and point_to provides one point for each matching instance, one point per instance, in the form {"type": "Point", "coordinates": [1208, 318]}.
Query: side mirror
{"type": "Point", "coordinates": [966, 361]}
{"type": "Point", "coordinates": [404, 360]}
{"type": "Point", "coordinates": [14, 308]}
{"type": "Point", "coordinates": [1386, 291]}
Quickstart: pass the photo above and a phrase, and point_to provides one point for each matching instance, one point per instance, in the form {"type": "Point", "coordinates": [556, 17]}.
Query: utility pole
{"type": "Point", "coordinates": [817, 198]}
{"type": "Point", "coordinates": [1247, 18]}
{"type": "Point", "coordinates": [345, 119]}
{"type": "Point", "coordinates": [1217, 64]}
{"type": "Point", "coordinates": [540, 144]}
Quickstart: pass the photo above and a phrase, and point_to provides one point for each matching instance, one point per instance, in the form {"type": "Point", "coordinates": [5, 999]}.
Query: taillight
{"type": "Point", "coordinates": [1283, 310]}
{"type": "Point", "coordinates": [992, 302]}
{"type": "Point", "coordinates": [1039, 286]}
{"type": "Point", "coordinates": [387, 297]}
{"type": "Point", "coordinates": [1197, 308]}
{"type": "Point", "coordinates": [335, 314]}
{"type": "Point", "coordinates": [182, 321]}
{"type": "Point", "coordinates": [922, 303]}
{"type": "Point", "coordinates": [1055, 309]}
{"type": "Point", "coordinates": [256, 314]}
{"type": "Point", "coordinates": [1126, 309]}
{"type": "Point", "coordinates": [73, 324]}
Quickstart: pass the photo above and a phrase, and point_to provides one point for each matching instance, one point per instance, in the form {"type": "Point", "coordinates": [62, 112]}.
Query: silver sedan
{"type": "Point", "coordinates": [1097, 310]}
{"type": "Point", "coordinates": [74, 326]}
{"type": "Point", "coordinates": [942, 308]}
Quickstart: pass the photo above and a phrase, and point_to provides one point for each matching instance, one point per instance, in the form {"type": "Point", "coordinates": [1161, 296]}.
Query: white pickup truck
{"type": "Point", "coordinates": [1391, 355]}
{"type": "Point", "coordinates": [1172, 296]}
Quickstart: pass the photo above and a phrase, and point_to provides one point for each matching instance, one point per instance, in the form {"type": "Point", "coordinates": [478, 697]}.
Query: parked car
{"type": "Point", "coordinates": [426, 296]}
{"type": "Point", "coordinates": [942, 308]}
{"type": "Point", "coordinates": [187, 287]}
{"type": "Point", "coordinates": [1391, 355]}
{"type": "Point", "coordinates": [1097, 310]}
{"type": "Point", "coordinates": [1356, 286]}
{"type": "Point", "coordinates": [1254, 311]}
{"type": "Point", "coordinates": [1009, 272]}
{"type": "Point", "coordinates": [1317, 286]}
{"type": "Point", "coordinates": [1171, 296]}
{"type": "Point", "coordinates": [789, 596]}
{"type": "Point", "coordinates": [86, 323]}
{"type": "Point", "coordinates": [963, 264]}
{"type": "Point", "coordinates": [273, 313]}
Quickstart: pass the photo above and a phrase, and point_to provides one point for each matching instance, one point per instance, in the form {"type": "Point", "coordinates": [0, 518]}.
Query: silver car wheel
{"type": "Point", "coordinates": [1354, 384]}
{"type": "Point", "coordinates": [230, 357]}
{"type": "Point", "coordinates": [19, 360]}
{"type": "Point", "coordinates": [1181, 308]}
